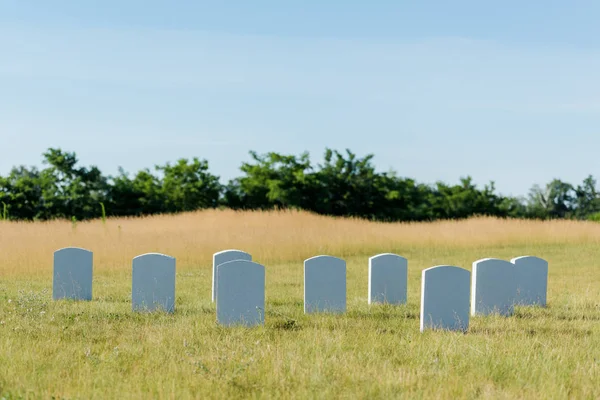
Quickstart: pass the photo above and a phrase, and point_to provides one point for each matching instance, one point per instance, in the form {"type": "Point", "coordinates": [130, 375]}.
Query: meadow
{"type": "Point", "coordinates": [101, 349]}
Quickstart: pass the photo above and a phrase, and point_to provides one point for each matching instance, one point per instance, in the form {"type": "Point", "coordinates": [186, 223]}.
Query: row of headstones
{"type": "Point", "coordinates": [446, 296]}
{"type": "Point", "coordinates": [448, 293]}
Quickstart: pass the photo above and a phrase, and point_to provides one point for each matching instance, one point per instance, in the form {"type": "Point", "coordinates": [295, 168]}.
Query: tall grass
{"type": "Point", "coordinates": [271, 237]}
{"type": "Point", "coordinates": [101, 349]}
{"type": "Point", "coordinates": [103, 212]}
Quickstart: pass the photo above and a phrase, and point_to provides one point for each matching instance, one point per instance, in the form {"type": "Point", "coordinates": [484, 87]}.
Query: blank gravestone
{"type": "Point", "coordinates": [494, 287]}
{"type": "Point", "coordinates": [532, 280]}
{"type": "Point", "coordinates": [387, 279]}
{"type": "Point", "coordinates": [72, 277]}
{"type": "Point", "coordinates": [240, 293]}
{"type": "Point", "coordinates": [445, 298]}
{"type": "Point", "coordinates": [153, 283]}
{"type": "Point", "coordinates": [324, 284]}
{"type": "Point", "coordinates": [223, 257]}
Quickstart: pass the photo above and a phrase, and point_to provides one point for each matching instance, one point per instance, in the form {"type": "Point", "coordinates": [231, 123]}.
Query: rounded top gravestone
{"type": "Point", "coordinates": [240, 293]}
{"type": "Point", "coordinates": [224, 256]}
{"type": "Point", "coordinates": [153, 282]}
{"type": "Point", "coordinates": [445, 298]}
{"type": "Point", "coordinates": [324, 284]}
{"type": "Point", "coordinates": [532, 280]}
{"type": "Point", "coordinates": [387, 279]}
{"type": "Point", "coordinates": [72, 275]}
{"type": "Point", "coordinates": [494, 287]}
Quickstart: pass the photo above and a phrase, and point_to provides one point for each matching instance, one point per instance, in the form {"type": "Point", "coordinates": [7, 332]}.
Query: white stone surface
{"type": "Point", "coordinates": [493, 287]}
{"type": "Point", "coordinates": [388, 274]}
{"type": "Point", "coordinates": [445, 298]}
{"type": "Point", "coordinates": [223, 257]}
{"type": "Point", "coordinates": [153, 283]}
{"type": "Point", "coordinates": [240, 293]}
{"type": "Point", "coordinates": [72, 276]}
{"type": "Point", "coordinates": [324, 284]}
{"type": "Point", "coordinates": [532, 280]}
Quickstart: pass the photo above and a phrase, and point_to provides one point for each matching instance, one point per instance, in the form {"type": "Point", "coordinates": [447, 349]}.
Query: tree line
{"type": "Point", "coordinates": [343, 185]}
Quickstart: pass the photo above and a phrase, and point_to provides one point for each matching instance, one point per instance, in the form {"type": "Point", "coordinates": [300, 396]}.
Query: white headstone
{"type": "Point", "coordinates": [388, 274]}
{"type": "Point", "coordinates": [72, 276]}
{"type": "Point", "coordinates": [445, 298]}
{"type": "Point", "coordinates": [532, 280]}
{"type": "Point", "coordinates": [240, 293]}
{"type": "Point", "coordinates": [223, 257]}
{"type": "Point", "coordinates": [493, 287]}
{"type": "Point", "coordinates": [324, 284]}
{"type": "Point", "coordinates": [153, 283]}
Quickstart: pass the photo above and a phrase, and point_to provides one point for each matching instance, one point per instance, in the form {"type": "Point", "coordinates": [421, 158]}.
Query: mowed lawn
{"type": "Point", "coordinates": [101, 349]}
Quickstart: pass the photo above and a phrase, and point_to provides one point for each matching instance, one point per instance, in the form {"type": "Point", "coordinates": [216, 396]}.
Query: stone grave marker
{"type": "Point", "coordinates": [445, 298]}
{"type": "Point", "coordinates": [72, 275]}
{"type": "Point", "coordinates": [223, 257]}
{"type": "Point", "coordinates": [240, 293]}
{"type": "Point", "coordinates": [532, 280]}
{"type": "Point", "coordinates": [153, 283]}
{"type": "Point", "coordinates": [324, 284]}
{"type": "Point", "coordinates": [493, 287]}
{"type": "Point", "coordinates": [388, 274]}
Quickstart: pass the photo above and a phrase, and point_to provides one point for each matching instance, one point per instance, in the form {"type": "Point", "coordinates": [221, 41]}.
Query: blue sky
{"type": "Point", "coordinates": [436, 90]}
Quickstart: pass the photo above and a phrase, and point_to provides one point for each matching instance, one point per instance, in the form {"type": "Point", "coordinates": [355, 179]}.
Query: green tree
{"type": "Point", "coordinates": [465, 200]}
{"type": "Point", "coordinates": [347, 186]}
{"type": "Point", "coordinates": [587, 200]}
{"type": "Point", "coordinates": [402, 199]}
{"type": "Point", "coordinates": [70, 191]}
{"type": "Point", "coordinates": [138, 196]}
{"type": "Point", "coordinates": [343, 185]}
{"type": "Point", "coordinates": [272, 180]}
{"type": "Point", "coordinates": [556, 200]}
{"type": "Point", "coordinates": [188, 186]}
{"type": "Point", "coordinates": [22, 190]}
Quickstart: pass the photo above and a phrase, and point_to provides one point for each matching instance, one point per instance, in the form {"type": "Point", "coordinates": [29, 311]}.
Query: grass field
{"type": "Point", "coordinates": [101, 349]}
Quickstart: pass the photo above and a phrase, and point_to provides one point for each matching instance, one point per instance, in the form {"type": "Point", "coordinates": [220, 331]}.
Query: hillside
{"type": "Point", "coordinates": [101, 349]}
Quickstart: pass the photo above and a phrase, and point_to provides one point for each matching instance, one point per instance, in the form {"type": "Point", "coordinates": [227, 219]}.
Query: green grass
{"type": "Point", "coordinates": [100, 349]}
{"type": "Point", "coordinates": [103, 217]}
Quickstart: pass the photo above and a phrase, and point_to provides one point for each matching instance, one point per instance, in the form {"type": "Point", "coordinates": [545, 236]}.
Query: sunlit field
{"type": "Point", "coordinates": [100, 349]}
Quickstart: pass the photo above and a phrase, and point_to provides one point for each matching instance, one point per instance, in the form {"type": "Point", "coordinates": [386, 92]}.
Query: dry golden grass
{"type": "Point", "coordinates": [271, 237]}
{"type": "Point", "coordinates": [100, 349]}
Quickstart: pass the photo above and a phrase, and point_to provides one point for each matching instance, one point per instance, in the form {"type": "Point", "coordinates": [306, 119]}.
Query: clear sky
{"type": "Point", "coordinates": [507, 91]}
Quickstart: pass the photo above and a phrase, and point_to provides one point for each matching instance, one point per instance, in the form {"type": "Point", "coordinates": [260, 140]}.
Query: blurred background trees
{"type": "Point", "coordinates": [344, 185]}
